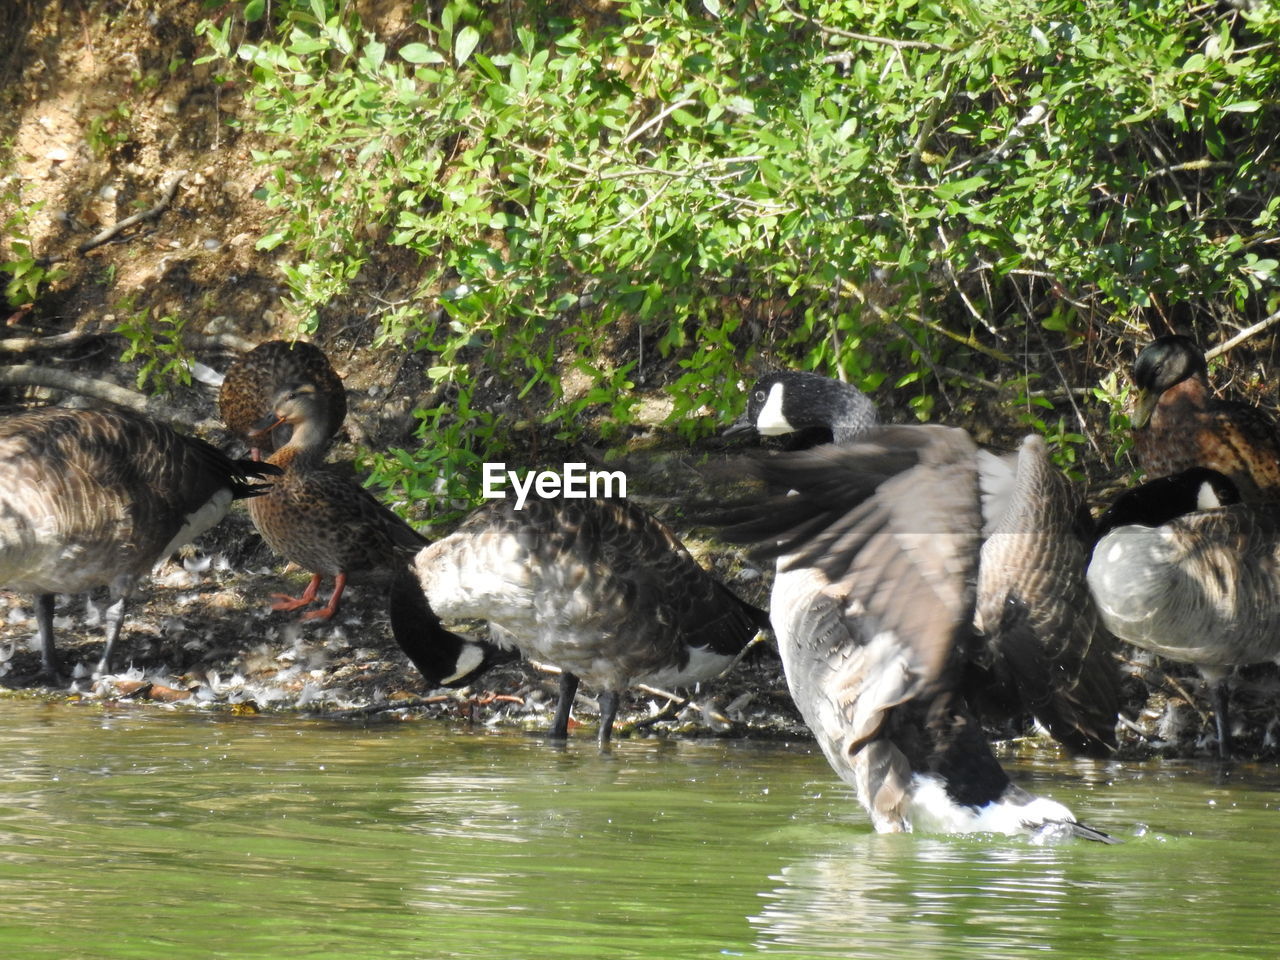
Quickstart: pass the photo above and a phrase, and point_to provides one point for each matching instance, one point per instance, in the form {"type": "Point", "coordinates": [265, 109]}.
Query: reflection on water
{"type": "Point", "coordinates": [140, 834]}
{"type": "Point", "coordinates": [1193, 887]}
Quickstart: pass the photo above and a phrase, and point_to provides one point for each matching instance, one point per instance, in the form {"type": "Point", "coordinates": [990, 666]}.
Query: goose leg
{"type": "Point", "coordinates": [50, 665]}
{"type": "Point", "coordinates": [608, 710]}
{"type": "Point", "coordinates": [1221, 706]}
{"type": "Point", "coordinates": [285, 602]}
{"type": "Point", "coordinates": [114, 618]}
{"type": "Point", "coordinates": [330, 608]}
{"type": "Point", "coordinates": [564, 706]}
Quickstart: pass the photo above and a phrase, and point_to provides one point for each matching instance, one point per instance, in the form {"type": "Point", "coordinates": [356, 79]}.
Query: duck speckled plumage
{"type": "Point", "coordinates": [919, 578]}
{"type": "Point", "coordinates": [254, 380]}
{"type": "Point", "coordinates": [93, 498]}
{"type": "Point", "coordinates": [1178, 424]}
{"type": "Point", "coordinates": [320, 519]}
{"type": "Point", "coordinates": [600, 588]}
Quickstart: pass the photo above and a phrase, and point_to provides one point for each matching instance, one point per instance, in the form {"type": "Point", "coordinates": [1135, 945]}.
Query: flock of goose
{"type": "Point", "coordinates": [924, 586]}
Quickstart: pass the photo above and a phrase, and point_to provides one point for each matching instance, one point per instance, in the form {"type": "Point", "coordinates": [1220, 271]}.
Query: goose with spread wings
{"type": "Point", "coordinates": [941, 580]}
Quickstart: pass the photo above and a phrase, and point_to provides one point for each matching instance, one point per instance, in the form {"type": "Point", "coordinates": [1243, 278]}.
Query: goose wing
{"type": "Point", "coordinates": [1044, 643]}
{"type": "Point", "coordinates": [891, 521]}
{"type": "Point", "coordinates": [109, 491]}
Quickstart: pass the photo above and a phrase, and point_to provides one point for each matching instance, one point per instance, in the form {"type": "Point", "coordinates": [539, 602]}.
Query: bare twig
{"type": "Point", "coordinates": [656, 119]}
{"type": "Point", "coordinates": [166, 198]}
{"type": "Point", "coordinates": [959, 288]}
{"type": "Point", "coordinates": [866, 37]}
{"type": "Point", "coordinates": [1034, 115]}
{"type": "Point", "coordinates": [1242, 336]}
{"type": "Point", "coordinates": [1189, 166]}
{"type": "Point", "coordinates": [55, 342]}
{"type": "Point", "coordinates": [31, 375]}
{"type": "Point", "coordinates": [675, 704]}
{"type": "Point", "coordinates": [222, 341]}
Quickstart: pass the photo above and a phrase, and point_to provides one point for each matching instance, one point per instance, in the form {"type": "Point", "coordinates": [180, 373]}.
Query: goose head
{"type": "Point", "coordinates": [1156, 502]}
{"type": "Point", "coordinates": [790, 401]}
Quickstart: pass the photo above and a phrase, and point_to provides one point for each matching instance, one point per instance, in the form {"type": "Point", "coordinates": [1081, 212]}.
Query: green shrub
{"type": "Point", "coordinates": [912, 193]}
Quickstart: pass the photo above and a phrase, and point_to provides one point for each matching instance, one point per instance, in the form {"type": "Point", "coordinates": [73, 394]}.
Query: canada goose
{"type": "Point", "coordinates": [1202, 588]}
{"type": "Point", "coordinates": [1178, 424]}
{"type": "Point", "coordinates": [884, 658]}
{"type": "Point", "coordinates": [318, 518]}
{"type": "Point", "coordinates": [92, 498]}
{"type": "Point", "coordinates": [244, 399]}
{"type": "Point", "coordinates": [1042, 654]}
{"type": "Point", "coordinates": [600, 588]}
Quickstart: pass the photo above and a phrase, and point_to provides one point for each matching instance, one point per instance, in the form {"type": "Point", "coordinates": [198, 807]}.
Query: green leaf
{"type": "Point", "coordinates": [955, 189]}
{"type": "Point", "coordinates": [1242, 106]}
{"type": "Point", "coordinates": [253, 10]}
{"type": "Point", "coordinates": [420, 53]}
{"type": "Point", "coordinates": [465, 44]}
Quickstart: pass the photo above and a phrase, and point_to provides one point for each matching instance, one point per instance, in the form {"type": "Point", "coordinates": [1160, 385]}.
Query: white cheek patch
{"type": "Point", "coordinates": [771, 421]}
{"type": "Point", "coordinates": [470, 657]}
{"type": "Point", "coordinates": [1207, 498]}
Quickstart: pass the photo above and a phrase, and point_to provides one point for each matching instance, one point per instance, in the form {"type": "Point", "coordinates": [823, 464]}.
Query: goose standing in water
{"type": "Point", "coordinates": [1178, 424]}
{"type": "Point", "coordinates": [1200, 588]}
{"type": "Point", "coordinates": [887, 567]}
{"type": "Point", "coordinates": [600, 588]}
{"type": "Point", "coordinates": [92, 498]}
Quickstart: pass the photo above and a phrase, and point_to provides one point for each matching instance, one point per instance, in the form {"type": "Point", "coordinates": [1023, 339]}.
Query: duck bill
{"type": "Point", "coordinates": [1143, 408]}
{"type": "Point", "coordinates": [267, 424]}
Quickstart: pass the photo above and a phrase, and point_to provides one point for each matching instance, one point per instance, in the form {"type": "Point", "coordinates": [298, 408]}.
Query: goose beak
{"type": "Point", "coordinates": [1143, 408]}
{"type": "Point", "coordinates": [739, 428]}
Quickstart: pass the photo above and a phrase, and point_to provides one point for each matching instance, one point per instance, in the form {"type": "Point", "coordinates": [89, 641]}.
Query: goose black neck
{"type": "Point", "coordinates": [442, 657]}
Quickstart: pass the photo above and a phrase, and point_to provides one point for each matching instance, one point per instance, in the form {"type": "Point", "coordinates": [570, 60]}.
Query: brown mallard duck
{"type": "Point", "coordinates": [1178, 424]}
{"type": "Point", "coordinates": [318, 518]}
{"type": "Point", "coordinates": [92, 498]}
{"type": "Point", "coordinates": [249, 386]}
{"type": "Point", "coordinates": [600, 588]}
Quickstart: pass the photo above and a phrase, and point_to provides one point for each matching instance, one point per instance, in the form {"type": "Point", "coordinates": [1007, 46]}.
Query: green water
{"type": "Point", "coordinates": [131, 833]}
